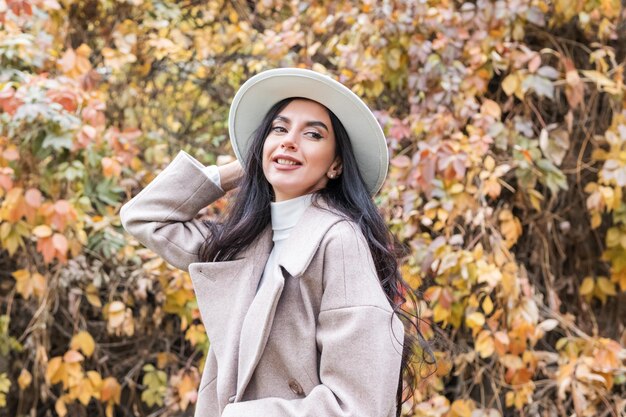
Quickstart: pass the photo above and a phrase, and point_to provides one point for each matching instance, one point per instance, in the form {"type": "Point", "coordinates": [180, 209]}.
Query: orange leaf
{"type": "Point", "coordinates": [111, 390]}
{"type": "Point", "coordinates": [62, 207]}
{"type": "Point", "coordinates": [111, 167]}
{"type": "Point", "coordinates": [33, 197]}
{"type": "Point", "coordinates": [46, 248]}
{"type": "Point", "coordinates": [60, 243]}
{"type": "Point", "coordinates": [24, 379]}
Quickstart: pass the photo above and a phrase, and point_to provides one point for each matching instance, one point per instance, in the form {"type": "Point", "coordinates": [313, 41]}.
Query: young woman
{"type": "Point", "coordinates": [298, 286]}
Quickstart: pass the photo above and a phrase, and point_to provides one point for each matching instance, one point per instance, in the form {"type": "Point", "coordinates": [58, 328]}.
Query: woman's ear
{"type": "Point", "coordinates": [335, 168]}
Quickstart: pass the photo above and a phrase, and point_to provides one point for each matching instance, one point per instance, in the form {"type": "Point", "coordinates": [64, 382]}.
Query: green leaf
{"type": "Point", "coordinates": [58, 141]}
{"type": "Point", "coordinates": [540, 85]}
{"type": "Point", "coordinates": [553, 178]}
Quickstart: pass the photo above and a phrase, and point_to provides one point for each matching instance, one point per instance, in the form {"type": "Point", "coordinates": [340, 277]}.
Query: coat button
{"type": "Point", "coordinates": [295, 387]}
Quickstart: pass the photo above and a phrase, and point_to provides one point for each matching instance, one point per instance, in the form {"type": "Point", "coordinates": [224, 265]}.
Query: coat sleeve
{"type": "Point", "coordinates": [359, 339]}
{"type": "Point", "coordinates": [162, 215]}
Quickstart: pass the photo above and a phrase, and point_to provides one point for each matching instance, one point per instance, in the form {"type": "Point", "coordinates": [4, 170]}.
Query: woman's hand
{"type": "Point", "coordinates": [230, 174]}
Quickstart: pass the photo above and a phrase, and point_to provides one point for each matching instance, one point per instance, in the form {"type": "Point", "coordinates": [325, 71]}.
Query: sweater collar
{"type": "Point", "coordinates": [286, 214]}
{"type": "Point", "coordinates": [306, 236]}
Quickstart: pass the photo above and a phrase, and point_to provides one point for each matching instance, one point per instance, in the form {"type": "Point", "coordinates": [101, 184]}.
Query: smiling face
{"type": "Point", "coordinates": [299, 154]}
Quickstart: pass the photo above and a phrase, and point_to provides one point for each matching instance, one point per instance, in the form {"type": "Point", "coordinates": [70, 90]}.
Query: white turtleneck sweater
{"type": "Point", "coordinates": [284, 214]}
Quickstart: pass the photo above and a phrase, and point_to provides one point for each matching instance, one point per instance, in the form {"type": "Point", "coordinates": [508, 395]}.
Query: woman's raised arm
{"type": "Point", "coordinates": [162, 215]}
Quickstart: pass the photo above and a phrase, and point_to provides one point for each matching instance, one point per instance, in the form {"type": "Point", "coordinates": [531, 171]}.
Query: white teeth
{"type": "Point", "coordinates": [286, 161]}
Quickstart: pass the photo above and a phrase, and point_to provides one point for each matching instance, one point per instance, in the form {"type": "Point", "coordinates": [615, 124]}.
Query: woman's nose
{"type": "Point", "coordinates": [288, 143]}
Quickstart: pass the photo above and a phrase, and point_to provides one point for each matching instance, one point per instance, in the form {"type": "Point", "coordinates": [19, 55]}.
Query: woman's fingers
{"type": "Point", "coordinates": [230, 174]}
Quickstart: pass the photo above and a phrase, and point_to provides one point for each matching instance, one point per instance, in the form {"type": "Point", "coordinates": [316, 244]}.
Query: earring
{"type": "Point", "coordinates": [331, 175]}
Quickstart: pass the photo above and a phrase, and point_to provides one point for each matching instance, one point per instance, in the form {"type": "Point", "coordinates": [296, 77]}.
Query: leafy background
{"type": "Point", "coordinates": [506, 122]}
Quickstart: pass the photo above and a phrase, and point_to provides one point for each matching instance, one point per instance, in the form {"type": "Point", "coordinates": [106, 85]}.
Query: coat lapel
{"type": "Point", "coordinates": [224, 291]}
{"type": "Point", "coordinates": [305, 238]}
{"type": "Point", "coordinates": [256, 328]}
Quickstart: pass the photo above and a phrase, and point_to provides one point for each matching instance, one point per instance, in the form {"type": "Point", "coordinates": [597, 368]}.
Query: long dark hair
{"type": "Point", "coordinates": [249, 215]}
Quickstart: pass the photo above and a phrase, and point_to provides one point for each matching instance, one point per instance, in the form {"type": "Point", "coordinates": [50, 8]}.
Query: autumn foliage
{"type": "Point", "coordinates": [506, 122]}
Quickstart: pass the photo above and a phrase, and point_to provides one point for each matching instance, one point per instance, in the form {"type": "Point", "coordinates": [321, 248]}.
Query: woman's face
{"type": "Point", "coordinates": [299, 154]}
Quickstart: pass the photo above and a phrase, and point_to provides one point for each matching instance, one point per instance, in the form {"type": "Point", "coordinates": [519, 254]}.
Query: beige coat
{"type": "Point", "coordinates": [318, 339]}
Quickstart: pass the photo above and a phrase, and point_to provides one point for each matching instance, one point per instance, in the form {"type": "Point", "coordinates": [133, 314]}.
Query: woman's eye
{"type": "Point", "coordinates": [279, 129]}
{"type": "Point", "coordinates": [315, 135]}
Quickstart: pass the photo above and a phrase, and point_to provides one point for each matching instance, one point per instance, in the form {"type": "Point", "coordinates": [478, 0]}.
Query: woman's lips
{"type": "Point", "coordinates": [285, 163]}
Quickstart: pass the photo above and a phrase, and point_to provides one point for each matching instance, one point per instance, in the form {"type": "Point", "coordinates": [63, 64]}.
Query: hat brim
{"type": "Point", "coordinates": [257, 95]}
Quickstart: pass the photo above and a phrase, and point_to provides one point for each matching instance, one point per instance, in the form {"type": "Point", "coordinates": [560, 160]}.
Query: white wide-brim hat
{"type": "Point", "coordinates": [257, 95]}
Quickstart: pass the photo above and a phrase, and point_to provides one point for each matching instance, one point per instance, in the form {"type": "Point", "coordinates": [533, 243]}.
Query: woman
{"type": "Point", "coordinates": [297, 287]}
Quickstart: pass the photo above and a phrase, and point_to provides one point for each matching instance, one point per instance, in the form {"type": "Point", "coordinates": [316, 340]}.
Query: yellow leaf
{"type": "Point", "coordinates": [394, 59]}
{"type": "Point", "coordinates": [196, 334]}
{"type": "Point", "coordinates": [510, 226]}
{"type": "Point", "coordinates": [233, 16]}
{"type": "Point", "coordinates": [487, 305]}
{"type": "Point", "coordinates": [22, 283]}
{"type": "Point", "coordinates": [60, 408]}
{"type": "Point", "coordinates": [619, 277]}
{"type": "Point", "coordinates": [440, 314]}
{"type": "Point", "coordinates": [606, 286]}
{"type": "Point", "coordinates": [24, 380]}
{"type": "Point", "coordinates": [535, 198]}
{"type": "Point", "coordinates": [96, 381]}
{"type": "Point", "coordinates": [43, 230]}
{"type": "Point", "coordinates": [489, 163]}
{"type": "Point", "coordinates": [55, 371]}
{"type": "Point", "coordinates": [475, 320]}
{"type": "Point", "coordinates": [602, 81]}
{"type": "Point", "coordinates": [93, 295]}
{"type": "Point", "coordinates": [488, 273]}
{"type": "Point", "coordinates": [596, 220]}
{"type": "Point", "coordinates": [491, 108]}
{"type": "Point", "coordinates": [461, 408]}
{"type": "Point", "coordinates": [484, 344]}
{"type": "Point", "coordinates": [586, 287]}
{"type": "Point", "coordinates": [456, 188]}
{"type": "Point", "coordinates": [512, 362]}
{"type": "Point", "coordinates": [509, 399]}
{"type": "Point", "coordinates": [510, 84]}
{"type": "Point", "coordinates": [85, 392]}
{"type": "Point", "coordinates": [83, 341]}
{"type": "Point", "coordinates": [115, 312]}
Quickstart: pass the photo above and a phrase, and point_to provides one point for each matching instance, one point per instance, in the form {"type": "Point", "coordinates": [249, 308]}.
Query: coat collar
{"type": "Point", "coordinates": [306, 236]}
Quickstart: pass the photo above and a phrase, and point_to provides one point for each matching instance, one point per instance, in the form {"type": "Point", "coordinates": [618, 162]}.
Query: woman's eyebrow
{"type": "Point", "coordinates": [310, 123]}
{"type": "Point", "coordinates": [318, 124]}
